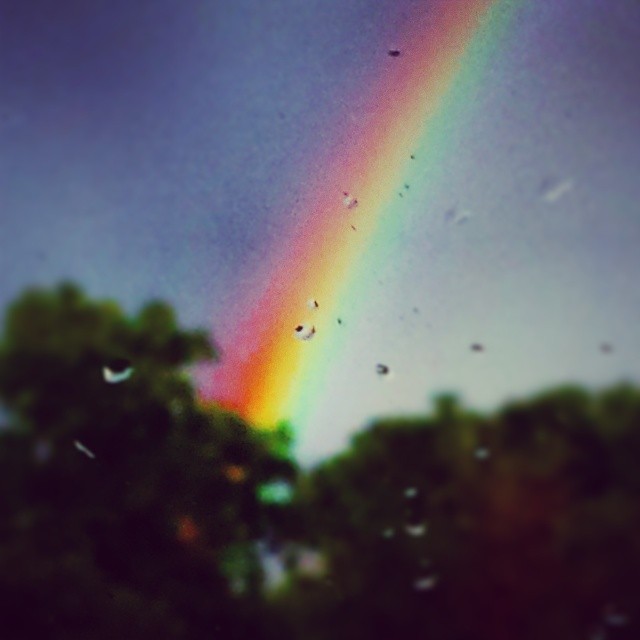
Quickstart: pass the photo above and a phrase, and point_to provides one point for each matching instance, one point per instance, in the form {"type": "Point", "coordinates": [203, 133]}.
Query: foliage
{"type": "Point", "coordinates": [523, 524]}
{"type": "Point", "coordinates": [154, 537]}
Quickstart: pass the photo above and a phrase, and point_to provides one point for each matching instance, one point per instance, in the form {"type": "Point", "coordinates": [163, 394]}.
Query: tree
{"type": "Point", "coordinates": [126, 509]}
{"type": "Point", "coordinates": [521, 524]}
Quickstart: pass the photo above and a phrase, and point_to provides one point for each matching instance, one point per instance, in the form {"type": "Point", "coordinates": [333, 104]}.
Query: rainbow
{"type": "Point", "coordinates": [266, 375]}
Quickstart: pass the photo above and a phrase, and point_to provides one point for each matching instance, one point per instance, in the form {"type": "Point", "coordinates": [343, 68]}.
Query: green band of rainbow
{"type": "Point", "coordinates": [266, 375]}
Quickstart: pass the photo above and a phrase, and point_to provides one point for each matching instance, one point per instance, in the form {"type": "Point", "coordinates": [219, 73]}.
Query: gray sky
{"type": "Point", "coordinates": [149, 147]}
{"type": "Point", "coordinates": [541, 284]}
{"type": "Point", "coordinates": [157, 148]}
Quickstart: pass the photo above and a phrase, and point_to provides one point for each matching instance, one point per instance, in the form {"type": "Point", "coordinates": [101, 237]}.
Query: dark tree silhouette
{"type": "Point", "coordinates": [523, 524]}
{"type": "Point", "coordinates": [127, 510]}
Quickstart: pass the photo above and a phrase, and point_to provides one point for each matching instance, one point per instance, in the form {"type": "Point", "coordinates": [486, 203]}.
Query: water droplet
{"type": "Point", "coordinates": [80, 447]}
{"type": "Point", "coordinates": [410, 492]}
{"type": "Point", "coordinates": [552, 190]}
{"type": "Point", "coordinates": [616, 620]}
{"type": "Point", "coordinates": [394, 53]}
{"type": "Point", "coordinates": [382, 369]}
{"type": "Point", "coordinates": [614, 617]}
{"type": "Point", "coordinates": [406, 186]}
{"type": "Point", "coordinates": [482, 453]}
{"type": "Point", "coordinates": [349, 201]}
{"type": "Point", "coordinates": [304, 331]}
{"type": "Point", "coordinates": [605, 347]}
{"type": "Point", "coordinates": [456, 216]}
{"type": "Point", "coordinates": [477, 347]}
{"type": "Point", "coordinates": [117, 370]}
{"type": "Point", "coordinates": [339, 320]}
{"type": "Point", "coordinates": [312, 304]}
{"type": "Point", "coordinates": [412, 157]}
{"type": "Point", "coordinates": [388, 533]}
{"type": "Point", "coordinates": [416, 530]}
{"type": "Point", "coordinates": [425, 583]}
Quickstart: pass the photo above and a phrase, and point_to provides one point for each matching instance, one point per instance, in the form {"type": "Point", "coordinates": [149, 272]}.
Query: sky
{"type": "Point", "coordinates": [171, 149]}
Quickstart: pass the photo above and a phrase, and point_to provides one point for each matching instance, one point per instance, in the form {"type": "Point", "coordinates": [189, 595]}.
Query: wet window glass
{"type": "Point", "coordinates": [319, 319]}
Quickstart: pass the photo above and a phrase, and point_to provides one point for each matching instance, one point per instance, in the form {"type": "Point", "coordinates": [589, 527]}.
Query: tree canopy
{"type": "Point", "coordinates": [126, 510]}
{"type": "Point", "coordinates": [521, 524]}
{"type": "Point", "coordinates": [129, 509]}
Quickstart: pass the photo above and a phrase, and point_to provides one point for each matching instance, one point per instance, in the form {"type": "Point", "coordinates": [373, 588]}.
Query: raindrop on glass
{"type": "Point", "coordinates": [312, 304]}
{"type": "Point", "coordinates": [457, 216]}
{"type": "Point", "coordinates": [477, 347]}
{"type": "Point", "coordinates": [614, 617]}
{"type": "Point", "coordinates": [552, 190]}
{"type": "Point", "coordinates": [416, 530]}
{"type": "Point", "coordinates": [388, 533]}
{"type": "Point", "coordinates": [425, 583]}
{"type": "Point", "coordinates": [304, 331]}
{"type": "Point", "coordinates": [117, 370]}
{"type": "Point", "coordinates": [394, 53]}
{"type": "Point", "coordinates": [80, 447]}
{"type": "Point", "coordinates": [410, 492]}
{"type": "Point", "coordinates": [349, 201]}
{"type": "Point", "coordinates": [382, 369]}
